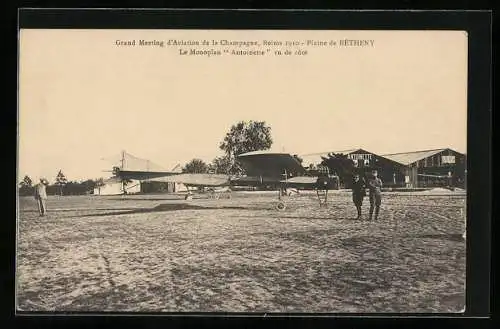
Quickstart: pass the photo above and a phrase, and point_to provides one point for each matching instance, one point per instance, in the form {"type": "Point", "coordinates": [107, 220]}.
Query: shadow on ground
{"type": "Point", "coordinates": [452, 237]}
{"type": "Point", "coordinates": [71, 210]}
{"type": "Point", "coordinates": [161, 208]}
{"type": "Point", "coordinates": [146, 199]}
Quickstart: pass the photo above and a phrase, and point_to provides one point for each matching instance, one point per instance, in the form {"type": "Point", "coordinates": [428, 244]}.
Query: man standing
{"type": "Point", "coordinates": [41, 196]}
{"type": "Point", "coordinates": [358, 193]}
{"type": "Point", "coordinates": [375, 186]}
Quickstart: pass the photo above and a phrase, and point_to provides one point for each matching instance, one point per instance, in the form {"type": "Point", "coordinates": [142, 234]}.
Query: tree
{"type": "Point", "coordinates": [339, 164]}
{"type": "Point", "coordinates": [247, 137]}
{"type": "Point", "coordinates": [25, 186]}
{"type": "Point", "coordinates": [74, 188]}
{"type": "Point", "coordinates": [224, 165]}
{"type": "Point", "coordinates": [195, 166]}
{"type": "Point", "coordinates": [61, 181]}
{"type": "Point", "coordinates": [27, 181]}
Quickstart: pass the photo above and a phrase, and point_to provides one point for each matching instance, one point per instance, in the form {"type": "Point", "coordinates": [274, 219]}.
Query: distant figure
{"type": "Point", "coordinates": [41, 196]}
{"type": "Point", "coordinates": [375, 186]}
{"type": "Point", "coordinates": [358, 193]}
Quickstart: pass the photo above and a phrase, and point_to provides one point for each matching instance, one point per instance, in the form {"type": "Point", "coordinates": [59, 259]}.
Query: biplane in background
{"type": "Point", "coordinates": [279, 171]}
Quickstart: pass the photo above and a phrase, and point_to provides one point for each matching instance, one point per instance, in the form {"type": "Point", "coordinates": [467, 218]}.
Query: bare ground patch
{"type": "Point", "coordinates": [240, 255]}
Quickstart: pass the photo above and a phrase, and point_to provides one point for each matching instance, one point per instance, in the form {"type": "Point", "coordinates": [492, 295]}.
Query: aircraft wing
{"type": "Point", "coordinates": [263, 163]}
{"type": "Point", "coordinates": [301, 180]}
{"type": "Point", "coordinates": [436, 176]}
{"type": "Point", "coordinates": [143, 175]}
{"type": "Point", "coordinates": [195, 179]}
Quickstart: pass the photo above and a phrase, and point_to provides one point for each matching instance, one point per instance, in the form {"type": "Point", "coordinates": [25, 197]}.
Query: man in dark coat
{"type": "Point", "coordinates": [358, 192]}
{"type": "Point", "coordinates": [375, 186]}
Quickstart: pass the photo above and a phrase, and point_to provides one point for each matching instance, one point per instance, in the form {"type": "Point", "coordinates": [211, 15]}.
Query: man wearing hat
{"type": "Point", "coordinates": [41, 195]}
{"type": "Point", "coordinates": [358, 192]}
{"type": "Point", "coordinates": [375, 186]}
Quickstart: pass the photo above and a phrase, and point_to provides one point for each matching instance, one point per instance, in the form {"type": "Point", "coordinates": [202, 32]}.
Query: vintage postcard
{"type": "Point", "coordinates": [256, 171]}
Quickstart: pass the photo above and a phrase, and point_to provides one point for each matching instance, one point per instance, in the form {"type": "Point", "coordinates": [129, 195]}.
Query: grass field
{"type": "Point", "coordinates": [160, 253]}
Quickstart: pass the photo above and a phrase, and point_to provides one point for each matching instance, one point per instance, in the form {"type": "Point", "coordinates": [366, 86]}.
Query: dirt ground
{"type": "Point", "coordinates": [160, 253]}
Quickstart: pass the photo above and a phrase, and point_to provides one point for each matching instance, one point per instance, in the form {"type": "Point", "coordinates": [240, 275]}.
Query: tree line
{"type": "Point", "coordinates": [61, 186]}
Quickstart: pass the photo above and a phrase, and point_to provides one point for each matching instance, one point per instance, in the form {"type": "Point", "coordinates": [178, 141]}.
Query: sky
{"type": "Point", "coordinates": [82, 97]}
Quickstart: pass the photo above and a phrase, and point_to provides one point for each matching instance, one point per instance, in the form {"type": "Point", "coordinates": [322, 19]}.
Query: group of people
{"type": "Point", "coordinates": [374, 185]}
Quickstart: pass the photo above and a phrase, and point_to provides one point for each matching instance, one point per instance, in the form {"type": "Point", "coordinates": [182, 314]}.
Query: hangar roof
{"type": "Point", "coordinates": [407, 158]}
{"type": "Point", "coordinates": [316, 158]}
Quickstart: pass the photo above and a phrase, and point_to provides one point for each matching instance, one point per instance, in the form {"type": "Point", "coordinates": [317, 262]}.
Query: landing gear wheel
{"type": "Point", "coordinates": [280, 206]}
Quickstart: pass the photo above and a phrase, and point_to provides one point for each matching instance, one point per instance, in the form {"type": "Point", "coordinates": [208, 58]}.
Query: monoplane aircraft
{"type": "Point", "coordinates": [448, 178]}
{"type": "Point", "coordinates": [279, 171]}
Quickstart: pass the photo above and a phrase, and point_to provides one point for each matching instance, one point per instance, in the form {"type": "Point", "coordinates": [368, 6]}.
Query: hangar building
{"type": "Point", "coordinates": [364, 161]}
{"type": "Point", "coordinates": [427, 168]}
